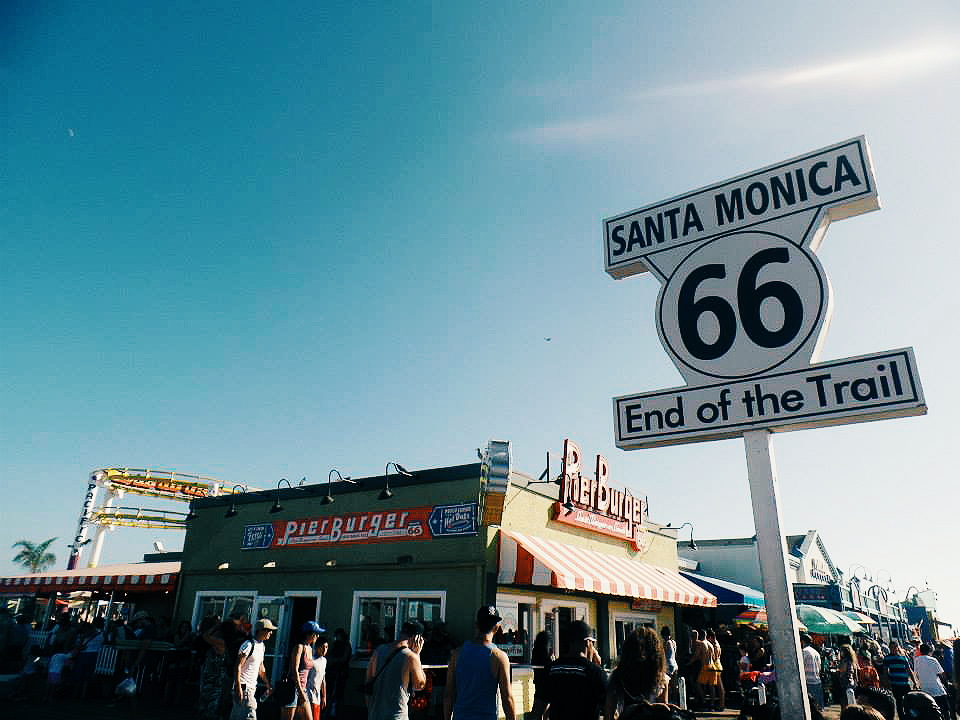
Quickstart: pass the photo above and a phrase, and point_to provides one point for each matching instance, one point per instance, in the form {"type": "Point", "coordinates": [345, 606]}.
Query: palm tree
{"type": "Point", "coordinates": [34, 557]}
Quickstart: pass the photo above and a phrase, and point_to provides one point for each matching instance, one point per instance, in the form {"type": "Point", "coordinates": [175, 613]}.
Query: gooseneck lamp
{"type": "Point", "coordinates": [328, 498]}
{"type": "Point", "coordinates": [386, 493]}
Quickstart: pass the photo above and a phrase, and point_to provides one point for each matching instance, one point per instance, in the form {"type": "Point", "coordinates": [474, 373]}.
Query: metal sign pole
{"type": "Point", "coordinates": [781, 609]}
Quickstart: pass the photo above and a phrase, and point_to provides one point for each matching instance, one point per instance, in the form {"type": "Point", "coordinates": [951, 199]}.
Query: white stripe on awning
{"type": "Point", "coordinates": [135, 576]}
{"type": "Point", "coordinates": [530, 560]}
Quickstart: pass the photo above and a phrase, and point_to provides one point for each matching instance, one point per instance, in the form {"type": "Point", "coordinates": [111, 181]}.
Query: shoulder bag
{"type": "Point", "coordinates": [368, 685]}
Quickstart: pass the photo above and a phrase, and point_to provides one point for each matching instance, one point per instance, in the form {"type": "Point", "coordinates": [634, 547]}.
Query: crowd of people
{"type": "Point", "coordinates": [59, 658]}
{"type": "Point", "coordinates": [916, 681]}
{"type": "Point", "coordinates": [313, 680]}
{"type": "Point", "coordinates": [214, 669]}
{"type": "Point", "coordinates": [219, 669]}
{"type": "Point", "coordinates": [569, 684]}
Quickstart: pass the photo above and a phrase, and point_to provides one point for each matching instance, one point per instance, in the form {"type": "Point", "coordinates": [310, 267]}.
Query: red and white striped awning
{"type": "Point", "coordinates": [127, 577]}
{"type": "Point", "coordinates": [530, 560]}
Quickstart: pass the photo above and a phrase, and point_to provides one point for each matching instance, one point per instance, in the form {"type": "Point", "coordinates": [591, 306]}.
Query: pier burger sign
{"type": "Point", "coordinates": [593, 504]}
{"type": "Point", "coordinates": [744, 305]}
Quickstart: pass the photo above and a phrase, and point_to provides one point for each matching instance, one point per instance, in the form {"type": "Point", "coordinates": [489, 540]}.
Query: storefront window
{"type": "Point", "coordinates": [626, 624]}
{"type": "Point", "coordinates": [557, 618]}
{"type": "Point", "coordinates": [514, 636]}
{"type": "Point", "coordinates": [378, 616]}
{"type": "Point", "coordinates": [221, 604]}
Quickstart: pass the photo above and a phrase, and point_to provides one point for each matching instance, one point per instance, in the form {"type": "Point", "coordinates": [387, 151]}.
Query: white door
{"type": "Point", "coordinates": [274, 608]}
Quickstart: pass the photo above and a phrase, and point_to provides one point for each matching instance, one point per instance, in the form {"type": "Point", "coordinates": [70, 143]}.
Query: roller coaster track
{"type": "Point", "coordinates": [158, 483]}
{"type": "Point", "coordinates": [117, 481]}
{"type": "Point", "coordinates": [139, 518]}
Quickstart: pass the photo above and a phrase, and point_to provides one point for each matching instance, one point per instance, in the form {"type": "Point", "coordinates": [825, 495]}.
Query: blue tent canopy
{"type": "Point", "coordinates": [727, 593]}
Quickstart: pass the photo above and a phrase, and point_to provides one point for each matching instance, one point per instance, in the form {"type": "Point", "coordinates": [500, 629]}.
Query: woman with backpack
{"type": "Point", "coordinates": [640, 677]}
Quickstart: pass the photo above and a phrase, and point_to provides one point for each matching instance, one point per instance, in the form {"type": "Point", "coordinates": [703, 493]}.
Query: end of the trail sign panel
{"type": "Point", "coordinates": [744, 304]}
{"type": "Point", "coordinates": [872, 387]}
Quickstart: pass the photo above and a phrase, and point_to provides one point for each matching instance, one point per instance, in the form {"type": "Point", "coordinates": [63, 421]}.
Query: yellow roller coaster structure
{"type": "Point", "coordinates": [140, 518]}
{"type": "Point", "coordinates": [158, 483]}
{"type": "Point", "coordinates": [117, 481]}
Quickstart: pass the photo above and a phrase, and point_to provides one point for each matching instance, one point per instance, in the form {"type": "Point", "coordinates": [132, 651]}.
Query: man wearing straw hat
{"type": "Point", "coordinates": [248, 668]}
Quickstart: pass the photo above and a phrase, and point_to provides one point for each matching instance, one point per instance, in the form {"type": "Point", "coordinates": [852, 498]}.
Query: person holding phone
{"type": "Point", "coordinates": [396, 673]}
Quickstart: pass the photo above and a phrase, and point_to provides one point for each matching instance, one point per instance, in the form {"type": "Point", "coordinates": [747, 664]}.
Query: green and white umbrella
{"type": "Point", "coordinates": [859, 617]}
{"type": "Point", "coordinates": [825, 621]}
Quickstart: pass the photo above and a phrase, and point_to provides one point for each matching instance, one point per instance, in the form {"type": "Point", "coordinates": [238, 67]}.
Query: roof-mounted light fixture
{"type": "Point", "coordinates": [232, 510]}
{"type": "Point", "coordinates": [328, 498]}
{"type": "Point", "coordinates": [861, 572]}
{"type": "Point", "coordinates": [692, 545]}
{"type": "Point", "coordinates": [277, 507]}
{"type": "Point", "coordinates": [386, 494]}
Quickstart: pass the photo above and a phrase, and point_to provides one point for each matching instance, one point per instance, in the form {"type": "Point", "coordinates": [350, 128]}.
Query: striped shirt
{"type": "Point", "coordinates": [898, 669]}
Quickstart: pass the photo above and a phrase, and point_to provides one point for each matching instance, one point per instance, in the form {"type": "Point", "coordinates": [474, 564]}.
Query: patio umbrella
{"type": "Point", "coordinates": [824, 621]}
{"type": "Point", "coordinates": [753, 616]}
{"type": "Point", "coordinates": [859, 617]}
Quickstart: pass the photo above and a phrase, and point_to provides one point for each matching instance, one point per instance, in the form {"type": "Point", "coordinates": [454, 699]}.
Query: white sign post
{"type": "Point", "coordinates": [743, 309]}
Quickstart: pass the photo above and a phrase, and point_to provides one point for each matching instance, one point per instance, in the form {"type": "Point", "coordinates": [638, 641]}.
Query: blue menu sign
{"type": "Point", "coordinates": [453, 520]}
{"type": "Point", "coordinates": [257, 537]}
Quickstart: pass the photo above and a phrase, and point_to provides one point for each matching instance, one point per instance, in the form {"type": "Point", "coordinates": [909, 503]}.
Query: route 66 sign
{"type": "Point", "coordinates": [743, 304]}
{"type": "Point", "coordinates": [743, 296]}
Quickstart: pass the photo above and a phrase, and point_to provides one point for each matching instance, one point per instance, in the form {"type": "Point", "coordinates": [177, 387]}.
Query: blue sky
{"type": "Point", "coordinates": [257, 242]}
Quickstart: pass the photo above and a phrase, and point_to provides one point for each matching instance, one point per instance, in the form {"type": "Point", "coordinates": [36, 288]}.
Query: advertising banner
{"type": "Point", "coordinates": [417, 523]}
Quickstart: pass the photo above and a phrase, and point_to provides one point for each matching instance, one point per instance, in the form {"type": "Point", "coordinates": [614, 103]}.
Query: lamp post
{"type": "Point", "coordinates": [888, 583]}
{"type": "Point", "coordinates": [867, 575]}
{"type": "Point", "coordinates": [876, 590]}
{"type": "Point", "coordinates": [912, 601]}
{"type": "Point", "coordinates": [856, 603]}
{"type": "Point", "coordinates": [386, 493]}
{"type": "Point", "coordinates": [328, 498]}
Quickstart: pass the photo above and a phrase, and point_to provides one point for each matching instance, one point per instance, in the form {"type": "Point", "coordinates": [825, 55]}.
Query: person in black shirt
{"type": "Point", "coordinates": [542, 656]}
{"type": "Point", "coordinates": [338, 670]}
{"type": "Point", "coordinates": [576, 685]}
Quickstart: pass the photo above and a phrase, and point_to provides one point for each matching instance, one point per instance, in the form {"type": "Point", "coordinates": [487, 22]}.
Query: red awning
{"type": "Point", "coordinates": [128, 577]}
{"type": "Point", "coordinates": [530, 560]}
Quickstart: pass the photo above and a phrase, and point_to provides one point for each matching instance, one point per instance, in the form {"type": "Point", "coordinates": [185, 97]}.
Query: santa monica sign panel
{"type": "Point", "coordinates": [744, 305]}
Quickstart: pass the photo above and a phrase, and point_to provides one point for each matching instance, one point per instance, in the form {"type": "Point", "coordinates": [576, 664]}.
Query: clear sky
{"type": "Point", "coordinates": [256, 241]}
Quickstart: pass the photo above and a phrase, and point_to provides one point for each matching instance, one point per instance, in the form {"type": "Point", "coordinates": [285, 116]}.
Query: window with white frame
{"type": "Point", "coordinates": [515, 636]}
{"type": "Point", "coordinates": [626, 623]}
{"type": "Point", "coordinates": [377, 616]}
{"type": "Point", "coordinates": [221, 604]}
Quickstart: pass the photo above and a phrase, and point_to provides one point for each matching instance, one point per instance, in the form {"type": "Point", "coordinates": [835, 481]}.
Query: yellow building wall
{"type": "Point", "coordinates": [531, 510]}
